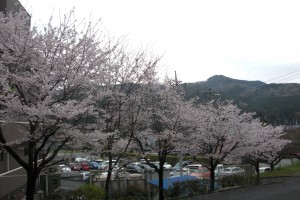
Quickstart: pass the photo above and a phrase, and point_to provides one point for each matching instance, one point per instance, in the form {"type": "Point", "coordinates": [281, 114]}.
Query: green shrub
{"type": "Point", "coordinates": [86, 192]}
{"type": "Point", "coordinates": [237, 180]}
{"type": "Point", "coordinates": [133, 193]}
{"type": "Point", "coordinates": [187, 188]}
{"type": "Point", "coordinates": [55, 196]}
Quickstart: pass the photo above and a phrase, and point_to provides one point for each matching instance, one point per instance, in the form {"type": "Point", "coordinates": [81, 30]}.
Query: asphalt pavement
{"type": "Point", "coordinates": [284, 188]}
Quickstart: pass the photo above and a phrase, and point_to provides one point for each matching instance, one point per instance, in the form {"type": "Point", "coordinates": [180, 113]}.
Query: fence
{"type": "Point", "coordinates": [13, 186]}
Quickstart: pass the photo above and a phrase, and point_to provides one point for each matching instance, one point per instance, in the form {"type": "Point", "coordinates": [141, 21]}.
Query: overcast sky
{"type": "Point", "coordinates": [241, 39]}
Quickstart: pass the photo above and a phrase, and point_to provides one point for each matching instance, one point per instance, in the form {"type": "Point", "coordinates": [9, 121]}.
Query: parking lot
{"type": "Point", "coordinates": [73, 180]}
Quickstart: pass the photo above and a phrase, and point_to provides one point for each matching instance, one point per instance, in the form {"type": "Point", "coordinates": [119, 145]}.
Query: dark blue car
{"type": "Point", "coordinates": [93, 165]}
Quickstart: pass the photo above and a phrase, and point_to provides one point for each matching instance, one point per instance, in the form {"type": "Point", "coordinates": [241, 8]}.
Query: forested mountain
{"type": "Point", "coordinates": [275, 103]}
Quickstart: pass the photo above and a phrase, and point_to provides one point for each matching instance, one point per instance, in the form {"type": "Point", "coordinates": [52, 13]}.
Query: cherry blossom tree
{"type": "Point", "coordinates": [170, 121]}
{"type": "Point", "coordinates": [121, 107]}
{"type": "Point", "coordinates": [47, 80]}
{"type": "Point", "coordinates": [221, 129]}
{"type": "Point", "coordinates": [262, 145]}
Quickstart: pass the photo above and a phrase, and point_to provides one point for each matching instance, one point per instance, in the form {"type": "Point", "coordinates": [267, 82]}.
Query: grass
{"type": "Point", "coordinates": [290, 170]}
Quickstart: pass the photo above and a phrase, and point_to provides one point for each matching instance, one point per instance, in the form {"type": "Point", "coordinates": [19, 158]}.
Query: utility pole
{"type": "Point", "coordinates": [180, 156]}
{"type": "Point", "coordinates": [176, 81]}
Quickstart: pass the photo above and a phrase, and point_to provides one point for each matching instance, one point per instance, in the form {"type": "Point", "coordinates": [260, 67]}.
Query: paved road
{"type": "Point", "coordinates": [285, 189]}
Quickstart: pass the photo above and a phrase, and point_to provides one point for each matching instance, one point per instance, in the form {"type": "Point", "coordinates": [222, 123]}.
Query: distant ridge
{"type": "Point", "coordinates": [276, 103]}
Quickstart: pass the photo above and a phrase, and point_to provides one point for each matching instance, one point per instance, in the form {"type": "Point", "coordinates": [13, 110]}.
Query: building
{"type": "Point", "coordinates": [10, 5]}
{"type": "Point", "coordinates": [12, 175]}
{"type": "Point", "coordinates": [13, 6]}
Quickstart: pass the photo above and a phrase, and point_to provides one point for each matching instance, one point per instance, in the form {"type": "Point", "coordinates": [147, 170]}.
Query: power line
{"type": "Point", "coordinates": [282, 76]}
{"type": "Point", "coordinates": [295, 76]}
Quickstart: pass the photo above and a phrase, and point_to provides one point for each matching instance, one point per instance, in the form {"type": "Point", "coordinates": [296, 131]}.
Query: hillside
{"type": "Point", "coordinates": [276, 103]}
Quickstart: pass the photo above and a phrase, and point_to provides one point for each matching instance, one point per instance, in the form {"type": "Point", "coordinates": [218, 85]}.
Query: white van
{"type": "Point", "coordinates": [219, 169]}
{"type": "Point", "coordinates": [85, 175]}
{"type": "Point", "coordinates": [80, 160]}
{"type": "Point", "coordinates": [264, 169]}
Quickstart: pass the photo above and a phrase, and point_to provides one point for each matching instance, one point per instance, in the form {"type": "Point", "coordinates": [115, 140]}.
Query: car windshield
{"type": "Point", "coordinates": [178, 165]}
{"type": "Point", "coordinates": [144, 166]}
{"type": "Point", "coordinates": [183, 170]}
{"type": "Point", "coordinates": [138, 167]}
{"type": "Point", "coordinates": [199, 170]}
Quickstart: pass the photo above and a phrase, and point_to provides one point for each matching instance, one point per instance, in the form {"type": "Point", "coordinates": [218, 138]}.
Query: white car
{"type": "Point", "coordinates": [264, 169]}
{"type": "Point", "coordinates": [167, 166]}
{"type": "Point", "coordinates": [105, 164]}
{"type": "Point", "coordinates": [194, 166]}
{"type": "Point", "coordinates": [232, 171]}
{"type": "Point", "coordinates": [64, 168]}
{"type": "Point", "coordinates": [219, 169]}
{"type": "Point", "coordinates": [85, 175]}
{"type": "Point", "coordinates": [80, 160]}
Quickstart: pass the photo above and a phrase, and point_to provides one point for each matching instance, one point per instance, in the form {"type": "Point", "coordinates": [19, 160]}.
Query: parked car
{"type": "Point", "coordinates": [219, 169]}
{"type": "Point", "coordinates": [74, 166]}
{"type": "Point", "coordinates": [194, 166]}
{"type": "Point", "coordinates": [99, 161]}
{"type": "Point", "coordinates": [153, 164]}
{"type": "Point", "coordinates": [80, 160]}
{"type": "Point", "coordinates": [103, 176]}
{"type": "Point", "coordinates": [85, 166]}
{"type": "Point", "coordinates": [264, 169]}
{"type": "Point", "coordinates": [85, 175]}
{"type": "Point", "coordinates": [63, 168]}
{"type": "Point", "coordinates": [167, 166]}
{"type": "Point", "coordinates": [143, 161]}
{"type": "Point", "coordinates": [144, 166]}
{"type": "Point", "coordinates": [105, 164]}
{"type": "Point", "coordinates": [232, 171]}
{"type": "Point", "coordinates": [134, 169]}
{"type": "Point", "coordinates": [93, 165]}
{"type": "Point", "coordinates": [200, 172]}
{"type": "Point", "coordinates": [185, 171]}
{"type": "Point", "coordinates": [183, 164]}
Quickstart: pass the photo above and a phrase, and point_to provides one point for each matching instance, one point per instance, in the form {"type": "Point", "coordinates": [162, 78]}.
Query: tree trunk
{"type": "Point", "coordinates": [257, 172]}
{"type": "Point", "coordinates": [107, 182]}
{"type": "Point", "coordinates": [212, 174]}
{"type": "Point", "coordinates": [161, 182]}
{"type": "Point", "coordinates": [30, 186]}
{"type": "Point", "coordinates": [272, 166]}
{"type": "Point", "coordinates": [274, 162]}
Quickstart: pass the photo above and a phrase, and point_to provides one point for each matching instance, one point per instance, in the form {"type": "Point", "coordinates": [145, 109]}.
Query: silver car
{"type": "Point", "coordinates": [232, 171]}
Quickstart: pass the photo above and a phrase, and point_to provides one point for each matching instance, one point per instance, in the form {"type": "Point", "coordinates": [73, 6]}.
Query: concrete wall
{"type": "Point", "coordinates": [11, 132]}
{"type": "Point", "coordinates": [12, 181]}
